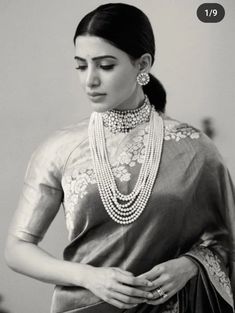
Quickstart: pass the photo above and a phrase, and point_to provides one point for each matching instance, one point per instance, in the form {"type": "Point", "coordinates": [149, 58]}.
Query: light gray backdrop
{"type": "Point", "coordinates": [40, 93]}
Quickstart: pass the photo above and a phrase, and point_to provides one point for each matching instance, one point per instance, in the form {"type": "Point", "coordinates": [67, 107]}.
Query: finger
{"type": "Point", "coordinates": [124, 272]}
{"type": "Point", "coordinates": [162, 280]}
{"type": "Point", "coordinates": [153, 273]}
{"type": "Point", "coordinates": [126, 299]}
{"type": "Point", "coordinates": [133, 281]}
{"type": "Point", "coordinates": [133, 292]}
{"type": "Point", "coordinates": [160, 300]}
{"type": "Point", "coordinates": [121, 305]}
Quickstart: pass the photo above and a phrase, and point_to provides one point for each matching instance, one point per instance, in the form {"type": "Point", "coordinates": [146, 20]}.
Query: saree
{"type": "Point", "coordinates": [190, 213]}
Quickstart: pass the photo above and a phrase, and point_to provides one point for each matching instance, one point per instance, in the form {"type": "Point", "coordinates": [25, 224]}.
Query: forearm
{"type": "Point", "coordinates": [31, 260]}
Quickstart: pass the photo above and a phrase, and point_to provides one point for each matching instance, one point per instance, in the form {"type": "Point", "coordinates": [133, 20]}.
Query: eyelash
{"type": "Point", "coordinates": [103, 67]}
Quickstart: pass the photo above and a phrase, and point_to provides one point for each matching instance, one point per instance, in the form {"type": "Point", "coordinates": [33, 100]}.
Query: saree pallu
{"type": "Point", "coordinates": [190, 213]}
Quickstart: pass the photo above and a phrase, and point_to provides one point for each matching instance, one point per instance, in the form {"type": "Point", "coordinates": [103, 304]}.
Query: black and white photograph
{"type": "Point", "coordinates": [117, 156]}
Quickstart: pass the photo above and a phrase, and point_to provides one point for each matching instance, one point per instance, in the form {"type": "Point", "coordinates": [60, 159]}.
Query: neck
{"type": "Point", "coordinates": [133, 102]}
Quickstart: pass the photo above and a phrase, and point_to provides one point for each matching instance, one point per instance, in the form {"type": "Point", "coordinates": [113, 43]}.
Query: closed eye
{"type": "Point", "coordinates": [103, 67]}
{"type": "Point", "coordinates": [107, 67]}
{"type": "Point", "coordinates": [81, 67]}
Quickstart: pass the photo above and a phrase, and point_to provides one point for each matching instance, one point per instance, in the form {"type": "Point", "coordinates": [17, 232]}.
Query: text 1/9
{"type": "Point", "coordinates": [211, 12]}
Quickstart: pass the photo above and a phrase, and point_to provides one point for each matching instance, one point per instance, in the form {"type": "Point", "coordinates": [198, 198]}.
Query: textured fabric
{"type": "Point", "coordinates": [190, 212]}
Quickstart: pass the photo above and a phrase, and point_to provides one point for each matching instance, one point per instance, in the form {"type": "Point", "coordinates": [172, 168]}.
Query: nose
{"type": "Point", "coordinates": [92, 79]}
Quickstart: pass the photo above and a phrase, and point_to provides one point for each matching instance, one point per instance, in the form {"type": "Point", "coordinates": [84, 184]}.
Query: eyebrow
{"type": "Point", "coordinates": [96, 58]}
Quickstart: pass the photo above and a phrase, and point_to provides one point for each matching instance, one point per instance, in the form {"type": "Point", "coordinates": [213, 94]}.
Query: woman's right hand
{"type": "Point", "coordinates": [117, 287]}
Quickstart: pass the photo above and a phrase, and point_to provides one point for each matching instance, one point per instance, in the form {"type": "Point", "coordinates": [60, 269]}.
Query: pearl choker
{"type": "Point", "coordinates": [124, 121]}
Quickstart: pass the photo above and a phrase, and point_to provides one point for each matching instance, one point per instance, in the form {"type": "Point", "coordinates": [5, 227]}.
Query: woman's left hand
{"type": "Point", "coordinates": [168, 278]}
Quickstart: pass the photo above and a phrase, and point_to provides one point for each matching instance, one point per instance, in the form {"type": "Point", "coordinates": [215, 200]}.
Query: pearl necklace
{"type": "Point", "coordinates": [135, 202]}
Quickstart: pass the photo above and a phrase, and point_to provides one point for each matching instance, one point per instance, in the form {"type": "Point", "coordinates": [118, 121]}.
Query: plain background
{"type": "Point", "coordinates": [40, 93]}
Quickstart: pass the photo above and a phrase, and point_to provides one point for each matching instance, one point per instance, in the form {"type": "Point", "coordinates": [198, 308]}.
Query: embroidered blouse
{"type": "Point", "coordinates": [190, 212]}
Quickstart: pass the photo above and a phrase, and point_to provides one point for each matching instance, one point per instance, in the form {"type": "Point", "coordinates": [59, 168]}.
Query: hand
{"type": "Point", "coordinates": [170, 277]}
{"type": "Point", "coordinates": [117, 287]}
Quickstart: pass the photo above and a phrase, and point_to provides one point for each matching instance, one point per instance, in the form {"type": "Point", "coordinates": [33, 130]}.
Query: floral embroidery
{"type": "Point", "coordinates": [76, 182]}
{"type": "Point", "coordinates": [121, 173]}
{"type": "Point", "coordinates": [75, 186]}
{"type": "Point", "coordinates": [132, 154]}
{"type": "Point", "coordinates": [213, 266]}
{"type": "Point", "coordinates": [181, 132]}
{"type": "Point", "coordinates": [171, 307]}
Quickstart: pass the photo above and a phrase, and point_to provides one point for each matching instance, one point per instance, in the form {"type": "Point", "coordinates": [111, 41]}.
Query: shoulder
{"type": "Point", "coordinates": [58, 146]}
{"type": "Point", "coordinates": [191, 138]}
{"type": "Point", "coordinates": [176, 130]}
{"type": "Point", "coordinates": [70, 136]}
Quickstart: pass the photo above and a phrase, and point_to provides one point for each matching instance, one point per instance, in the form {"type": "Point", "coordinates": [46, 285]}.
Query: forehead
{"type": "Point", "coordinates": [92, 46]}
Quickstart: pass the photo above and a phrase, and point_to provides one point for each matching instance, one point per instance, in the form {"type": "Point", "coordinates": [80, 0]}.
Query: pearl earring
{"type": "Point", "coordinates": [143, 79]}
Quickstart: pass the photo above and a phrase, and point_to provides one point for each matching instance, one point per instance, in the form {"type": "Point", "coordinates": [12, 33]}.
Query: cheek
{"type": "Point", "coordinates": [82, 80]}
{"type": "Point", "coordinates": [123, 81]}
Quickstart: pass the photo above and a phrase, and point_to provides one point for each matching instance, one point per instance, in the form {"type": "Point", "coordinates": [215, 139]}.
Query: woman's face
{"type": "Point", "coordinates": [107, 74]}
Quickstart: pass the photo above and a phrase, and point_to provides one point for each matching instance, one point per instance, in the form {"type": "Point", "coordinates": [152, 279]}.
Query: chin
{"type": "Point", "coordinates": [101, 107]}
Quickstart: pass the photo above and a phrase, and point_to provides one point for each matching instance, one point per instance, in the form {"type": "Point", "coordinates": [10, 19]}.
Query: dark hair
{"type": "Point", "coordinates": [129, 29]}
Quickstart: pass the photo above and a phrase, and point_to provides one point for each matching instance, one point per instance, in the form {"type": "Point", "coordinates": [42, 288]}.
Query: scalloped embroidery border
{"type": "Point", "coordinates": [214, 269]}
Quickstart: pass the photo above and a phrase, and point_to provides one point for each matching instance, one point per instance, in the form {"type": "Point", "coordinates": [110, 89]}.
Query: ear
{"type": "Point", "coordinates": [145, 63]}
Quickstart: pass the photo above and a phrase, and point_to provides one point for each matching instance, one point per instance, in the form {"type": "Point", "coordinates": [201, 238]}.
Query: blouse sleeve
{"type": "Point", "coordinates": [214, 251]}
{"type": "Point", "coordinates": [41, 195]}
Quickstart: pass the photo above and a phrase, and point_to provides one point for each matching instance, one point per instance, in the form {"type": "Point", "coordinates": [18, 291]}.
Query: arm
{"type": "Point", "coordinates": [39, 203]}
{"type": "Point", "coordinates": [115, 286]}
{"type": "Point", "coordinates": [29, 259]}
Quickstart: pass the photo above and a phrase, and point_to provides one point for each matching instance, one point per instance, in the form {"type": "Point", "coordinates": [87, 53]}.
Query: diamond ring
{"type": "Point", "coordinates": [159, 293]}
{"type": "Point", "coordinates": [162, 293]}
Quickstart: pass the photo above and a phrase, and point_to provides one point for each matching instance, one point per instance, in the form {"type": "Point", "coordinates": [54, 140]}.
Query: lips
{"type": "Point", "coordinates": [95, 94]}
{"type": "Point", "coordinates": [96, 97]}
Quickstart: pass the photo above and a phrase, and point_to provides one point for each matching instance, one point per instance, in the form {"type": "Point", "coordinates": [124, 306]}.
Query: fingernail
{"type": "Point", "coordinates": [150, 295]}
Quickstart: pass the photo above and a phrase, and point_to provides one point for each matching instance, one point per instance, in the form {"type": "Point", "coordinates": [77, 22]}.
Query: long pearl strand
{"type": "Point", "coordinates": [135, 202]}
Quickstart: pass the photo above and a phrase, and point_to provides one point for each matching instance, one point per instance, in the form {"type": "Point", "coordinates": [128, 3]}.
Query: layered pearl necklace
{"type": "Point", "coordinates": [125, 209]}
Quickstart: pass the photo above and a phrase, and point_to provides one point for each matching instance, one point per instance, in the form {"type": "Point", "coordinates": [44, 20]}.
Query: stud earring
{"type": "Point", "coordinates": [143, 79]}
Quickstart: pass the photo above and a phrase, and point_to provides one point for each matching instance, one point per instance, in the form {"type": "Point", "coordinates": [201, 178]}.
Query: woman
{"type": "Point", "coordinates": [148, 202]}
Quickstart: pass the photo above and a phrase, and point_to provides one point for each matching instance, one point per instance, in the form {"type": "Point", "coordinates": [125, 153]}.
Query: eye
{"type": "Point", "coordinates": [81, 67]}
{"type": "Point", "coordinates": [107, 67]}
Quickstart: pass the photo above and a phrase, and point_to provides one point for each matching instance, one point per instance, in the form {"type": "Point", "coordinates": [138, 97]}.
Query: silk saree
{"type": "Point", "coordinates": [190, 212]}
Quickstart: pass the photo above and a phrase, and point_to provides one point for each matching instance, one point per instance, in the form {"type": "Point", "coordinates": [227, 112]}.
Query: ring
{"type": "Point", "coordinates": [161, 293]}
{"type": "Point", "coordinates": [156, 294]}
